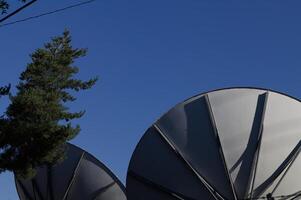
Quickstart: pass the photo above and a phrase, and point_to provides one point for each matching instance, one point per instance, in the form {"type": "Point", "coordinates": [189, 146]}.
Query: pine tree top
{"type": "Point", "coordinates": [37, 123]}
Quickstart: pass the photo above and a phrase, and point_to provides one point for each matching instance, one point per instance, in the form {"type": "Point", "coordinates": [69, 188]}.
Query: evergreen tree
{"type": "Point", "coordinates": [37, 124]}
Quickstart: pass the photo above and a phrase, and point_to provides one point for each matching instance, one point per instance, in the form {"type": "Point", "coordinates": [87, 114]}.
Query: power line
{"type": "Point", "coordinates": [47, 13]}
{"type": "Point", "coordinates": [18, 10]}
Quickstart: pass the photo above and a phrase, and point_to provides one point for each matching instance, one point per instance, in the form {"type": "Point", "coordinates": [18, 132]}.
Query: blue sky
{"type": "Point", "coordinates": [150, 55]}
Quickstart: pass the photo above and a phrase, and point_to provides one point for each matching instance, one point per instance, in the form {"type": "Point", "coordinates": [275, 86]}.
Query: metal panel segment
{"type": "Point", "coordinates": [257, 153]}
{"type": "Point", "coordinates": [158, 187]}
{"type": "Point", "coordinates": [164, 167]}
{"type": "Point", "coordinates": [188, 127]}
{"type": "Point", "coordinates": [281, 134]}
{"type": "Point", "coordinates": [51, 182]}
{"type": "Point", "coordinates": [210, 188]}
{"type": "Point", "coordinates": [24, 190]}
{"type": "Point", "coordinates": [237, 114]}
{"type": "Point", "coordinates": [142, 190]}
{"type": "Point", "coordinates": [112, 192]}
{"type": "Point", "coordinates": [290, 181]}
{"type": "Point", "coordinates": [38, 194]}
{"type": "Point", "coordinates": [50, 192]}
{"type": "Point", "coordinates": [40, 183]}
{"type": "Point", "coordinates": [74, 176]}
{"type": "Point", "coordinates": [222, 155]}
{"type": "Point", "coordinates": [92, 180]}
{"type": "Point", "coordinates": [288, 168]}
{"type": "Point", "coordinates": [281, 170]}
{"type": "Point", "coordinates": [34, 191]}
{"type": "Point", "coordinates": [58, 181]}
{"type": "Point", "coordinates": [62, 173]}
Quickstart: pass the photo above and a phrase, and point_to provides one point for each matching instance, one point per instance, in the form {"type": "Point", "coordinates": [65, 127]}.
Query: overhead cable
{"type": "Point", "coordinates": [47, 13]}
{"type": "Point", "coordinates": [17, 11]}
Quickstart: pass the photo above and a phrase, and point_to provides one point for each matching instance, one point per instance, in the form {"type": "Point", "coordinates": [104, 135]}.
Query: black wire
{"type": "Point", "coordinates": [17, 11]}
{"type": "Point", "coordinates": [47, 13]}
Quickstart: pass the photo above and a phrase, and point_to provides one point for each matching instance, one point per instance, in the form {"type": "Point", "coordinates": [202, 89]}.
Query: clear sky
{"type": "Point", "coordinates": [150, 55]}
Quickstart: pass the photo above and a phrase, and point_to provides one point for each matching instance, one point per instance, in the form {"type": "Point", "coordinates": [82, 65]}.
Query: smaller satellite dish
{"type": "Point", "coordinates": [79, 177]}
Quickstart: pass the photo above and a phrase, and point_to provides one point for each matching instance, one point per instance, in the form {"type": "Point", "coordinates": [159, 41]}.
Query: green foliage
{"type": "Point", "coordinates": [37, 123]}
{"type": "Point", "coordinates": [4, 5]}
{"type": "Point", "coordinates": [4, 90]}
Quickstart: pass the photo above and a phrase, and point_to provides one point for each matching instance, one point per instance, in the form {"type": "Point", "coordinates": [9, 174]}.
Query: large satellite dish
{"type": "Point", "coordinates": [79, 177]}
{"type": "Point", "coordinates": [238, 143]}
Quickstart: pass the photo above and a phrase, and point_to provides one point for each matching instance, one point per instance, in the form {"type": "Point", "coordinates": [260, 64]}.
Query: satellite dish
{"type": "Point", "coordinates": [238, 143]}
{"type": "Point", "coordinates": [80, 176]}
